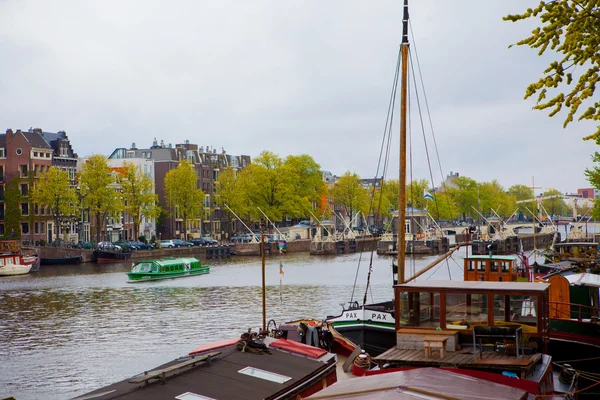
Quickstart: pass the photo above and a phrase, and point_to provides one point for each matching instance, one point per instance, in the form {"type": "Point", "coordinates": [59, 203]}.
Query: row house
{"type": "Point", "coordinates": [207, 164]}
{"type": "Point", "coordinates": [23, 156]}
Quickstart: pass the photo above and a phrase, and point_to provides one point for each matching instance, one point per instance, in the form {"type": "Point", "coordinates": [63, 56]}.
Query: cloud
{"type": "Point", "coordinates": [292, 77]}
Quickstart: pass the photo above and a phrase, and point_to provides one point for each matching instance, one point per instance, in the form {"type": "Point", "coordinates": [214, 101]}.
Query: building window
{"type": "Point", "coordinates": [1, 172]}
{"type": "Point", "coordinates": [2, 155]}
{"type": "Point", "coordinates": [35, 153]}
{"type": "Point", "coordinates": [24, 228]}
{"type": "Point", "coordinates": [24, 209]}
{"type": "Point", "coordinates": [24, 190]}
{"type": "Point", "coordinates": [19, 151]}
{"type": "Point", "coordinates": [23, 170]}
{"type": "Point", "coordinates": [36, 228]}
{"type": "Point", "coordinates": [47, 155]}
{"type": "Point", "coordinates": [2, 229]}
{"type": "Point", "coordinates": [42, 228]}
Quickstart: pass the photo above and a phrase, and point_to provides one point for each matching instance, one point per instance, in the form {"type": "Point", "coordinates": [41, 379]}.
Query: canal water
{"type": "Point", "coordinates": [67, 330]}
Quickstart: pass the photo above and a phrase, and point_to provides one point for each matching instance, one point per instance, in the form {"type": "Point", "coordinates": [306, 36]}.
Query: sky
{"type": "Point", "coordinates": [303, 77]}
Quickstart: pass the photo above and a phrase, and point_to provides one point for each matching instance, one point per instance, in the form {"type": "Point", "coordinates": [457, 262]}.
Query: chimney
{"type": "Point", "coordinates": [9, 135]}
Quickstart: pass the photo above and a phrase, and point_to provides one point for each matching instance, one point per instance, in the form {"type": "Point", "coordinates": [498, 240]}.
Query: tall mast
{"type": "Point", "coordinates": [402, 176]}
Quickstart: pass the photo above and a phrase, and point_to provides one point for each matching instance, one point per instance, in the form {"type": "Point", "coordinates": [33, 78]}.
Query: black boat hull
{"type": "Point", "coordinates": [60, 260]}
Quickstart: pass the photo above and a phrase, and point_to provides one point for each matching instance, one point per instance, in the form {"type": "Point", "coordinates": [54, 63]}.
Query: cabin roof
{"type": "Point", "coordinates": [170, 261]}
{"type": "Point", "coordinates": [221, 378]}
{"type": "Point", "coordinates": [583, 279]}
{"type": "Point", "coordinates": [493, 257]}
{"type": "Point", "coordinates": [475, 286]}
{"type": "Point", "coordinates": [411, 384]}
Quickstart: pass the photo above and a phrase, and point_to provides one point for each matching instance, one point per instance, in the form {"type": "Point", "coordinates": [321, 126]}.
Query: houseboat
{"type": "Point", "coordinates": [13, 264]}
{"type": "Point", "coordinates": [167, 268]}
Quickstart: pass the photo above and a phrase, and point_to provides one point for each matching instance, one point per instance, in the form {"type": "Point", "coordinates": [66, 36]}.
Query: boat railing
{"type": "Point", "coordinates": [583, 312]}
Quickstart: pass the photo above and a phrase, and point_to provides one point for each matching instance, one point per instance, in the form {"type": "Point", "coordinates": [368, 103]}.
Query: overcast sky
{"type": "Point", "coordinates": [291, 77]}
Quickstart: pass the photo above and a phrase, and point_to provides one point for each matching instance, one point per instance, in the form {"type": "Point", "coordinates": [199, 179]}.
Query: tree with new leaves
{"type": "Point", "coordinates": [262, 186]}
{"type": "Point", "coordinates": [465, 194]}
{"type": "Point", "coordinates": [137, 191]}
{"type": "Point", "coordinates": [494, 200]}
{"type": "Point", "coordinates": [522, 193]}
{"type": "Point", "coordinates": [554, 203]}
{"type": "Point", "coordinates": [415, 191]}
{"type": "Point", "coordinates": [302, 184]}
{"type": "Point", "coordinates": [54, 190]}
{"type": "Point", "coordinates": [98, 190]}
{"type": "Point", "coordinates": [182, 193]}
{"type": "Point", "coordinates": [571, 29]}
{"type": "Point", "coordinates": [593, 177]}
{"type": "Point", "coordinates": [348, 192]}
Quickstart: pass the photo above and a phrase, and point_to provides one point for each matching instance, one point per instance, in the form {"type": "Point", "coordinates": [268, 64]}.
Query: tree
{"type": "Point", "coordinates": [493, 197]}
{"type": "Point", "coordinates": [12, 218]}
{"type": "Point", "coordinates": [137, 192]}
{"type": "Point", "coordinates": [465, 195]}
{"type": "Point", "coordinates": [414, 193]}
{"type": "Point", "coordinates": [390, 190]}
{"type": "Point", "coordinates": [445, 208]}
{"type": "Point", "coordinates": [350, 194]}
{"type": "Point", "coordinates": [571, 30]}
{"type": "Point", "coordinates": [54, 190]}
{"type": "Point", "coordinates": [554, 203]}
{"type": "Point", "coordinates": [522, 193]}
{"type": "Point", "coordinates": [98, 186]}
{"type": "Point", "coordinates": [263, 187]}
{"type": "Point", "coordinates": [182, 193]}
{"type": "Point", "coordinates": [302, 185]}
{"type": "Point", "coordinates": [593, 177]}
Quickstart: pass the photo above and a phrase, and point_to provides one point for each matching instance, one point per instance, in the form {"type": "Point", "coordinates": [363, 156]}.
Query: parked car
{"type": "Point", "coordinates": [142, 245]}
{"type": "Point", "coordinates": [209, 241]}
{"type": "Point", "coordinates": [167, 244]}
{"type": "Point", "coordinates": [182, 243]}
{"type": "Point", "coordinates": [126, 245]}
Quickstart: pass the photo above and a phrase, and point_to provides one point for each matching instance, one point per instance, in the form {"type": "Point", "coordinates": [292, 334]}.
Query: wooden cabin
{"type": "Point", "coordinates": [490, 268]}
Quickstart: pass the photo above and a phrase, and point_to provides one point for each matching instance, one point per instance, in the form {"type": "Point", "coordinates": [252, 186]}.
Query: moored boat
{"type": "Point", "coordinates": [167, 268]}
{"type": "Point", "coordinates": [249, 367]}
{"type": "Point", "coordinates": [110, 252]}
{"type": "Point", "coordinates": [12, 264]}
{"type": "Point", "coordinates": [60, 260]}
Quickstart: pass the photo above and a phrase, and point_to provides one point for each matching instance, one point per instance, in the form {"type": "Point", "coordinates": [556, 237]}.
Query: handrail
{"type": "Point", "coordinates": [593, 310]}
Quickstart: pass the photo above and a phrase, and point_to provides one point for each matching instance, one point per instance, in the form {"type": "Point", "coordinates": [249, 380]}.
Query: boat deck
{"type": "Point", "coordinates": [460, 359]}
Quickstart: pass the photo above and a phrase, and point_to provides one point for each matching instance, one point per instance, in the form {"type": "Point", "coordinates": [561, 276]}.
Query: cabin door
{"type": "Point", "coordinates": [559, 297]}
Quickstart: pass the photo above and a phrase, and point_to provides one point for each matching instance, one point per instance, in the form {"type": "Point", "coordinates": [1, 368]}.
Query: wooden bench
{"type": "Point", "coordinates": [438, 342]}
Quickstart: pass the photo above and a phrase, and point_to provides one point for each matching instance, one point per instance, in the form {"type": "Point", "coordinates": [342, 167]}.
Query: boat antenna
{"type": "Point", "coordinates": [402, 174]}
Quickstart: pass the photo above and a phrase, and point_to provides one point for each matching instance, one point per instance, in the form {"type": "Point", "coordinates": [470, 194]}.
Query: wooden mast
{"type": "Point", "coordinates": [402, 176]}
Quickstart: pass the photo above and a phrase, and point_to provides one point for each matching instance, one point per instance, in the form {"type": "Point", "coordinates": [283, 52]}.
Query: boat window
{"type": "Point", "coordinates": [463, 311]}
{"type": "Point", "coordinates": [494, 266]}
{"type": "Point", "coordinates": [523, 309]}
{"type": "Point", "coordinates": [420, 309]}
{"type": "Point", "coordinates": [500, 309]}
{"type": "Point", "coordinates": [266, 375]}
{"type": "Point", "coordinates": [154, 268]}
{"type": "Point", "coordinates": [470, 265]}
{"type": "Point", "coordinates": [504, 266]}
{"type": "Point", "coordinates": [1, 262]}
{"type": "Point", "coordinates": [192, 396]}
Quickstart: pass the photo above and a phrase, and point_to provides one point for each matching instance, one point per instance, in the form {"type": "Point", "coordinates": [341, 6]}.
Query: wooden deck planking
{"type": "Point", "coordinates": [462, 359]}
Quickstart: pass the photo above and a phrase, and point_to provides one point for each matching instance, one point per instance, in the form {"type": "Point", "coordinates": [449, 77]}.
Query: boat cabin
{"type": "Point", "coordinates": [575, 250]}
{"type": "Point", "coordinates": [490, 268]}
{"type": "Point", "coordinates": [460, 306]}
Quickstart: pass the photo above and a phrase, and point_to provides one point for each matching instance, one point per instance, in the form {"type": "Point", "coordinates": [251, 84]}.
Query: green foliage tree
{"type": "Point", "coordinates": [443, 207]}
{"type": "Point", "coordinates": [390, 191]}
{"type": "Point", "coordinates": [302, 185]}
{"type": "Point", "coordinates": [348, 192]}
{"type": "Point", "coordinates": [570, 30]}
{"type": "Point", "coordinates": [54, 190]}
{"type": "Point", "coordinates": [522, 193]}
{"type": "Point", "coordinates": [555, 205]}
{"type": "Point", "coordinates": [183, 194]}
{"type": "Point", "coordinates": [493, 197]}
{"type": "Point", "coordinates": [465, 195]}
{"type": "Point", "coordinates": [137, 192]}
{"type": "Point", "coordinates": [593, 177]}
{"type": "Point", "coordinates": [414, 193]}
{"type": "Point", "coordinates": [98, 186]}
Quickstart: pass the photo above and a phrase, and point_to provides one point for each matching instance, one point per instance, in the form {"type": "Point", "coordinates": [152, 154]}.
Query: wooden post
{"type": "Point", "coordinates": [264, 287]}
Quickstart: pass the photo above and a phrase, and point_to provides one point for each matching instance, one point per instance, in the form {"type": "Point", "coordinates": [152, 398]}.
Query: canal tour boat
{"type": "Point", "coordinates": [167, 268]}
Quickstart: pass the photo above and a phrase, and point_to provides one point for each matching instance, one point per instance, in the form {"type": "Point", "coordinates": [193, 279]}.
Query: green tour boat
{"type": "Point", "coordinates": [167, 268]}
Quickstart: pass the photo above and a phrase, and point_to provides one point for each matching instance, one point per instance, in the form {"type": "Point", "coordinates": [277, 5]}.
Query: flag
{"type": "Point", "coordinates": [427, 195]}
{"type": "Point", "coordinates": [282, 247]}
{"type": "Point", "coordinates": [281, 268]}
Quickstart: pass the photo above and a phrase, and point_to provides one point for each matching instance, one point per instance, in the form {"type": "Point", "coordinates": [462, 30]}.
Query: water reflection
{"type": "Point", "coordinates": [67, 330]}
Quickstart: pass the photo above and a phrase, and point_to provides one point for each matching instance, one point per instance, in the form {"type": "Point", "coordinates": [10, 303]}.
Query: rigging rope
{"type": "Point", "coordinates": [386, 134]}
